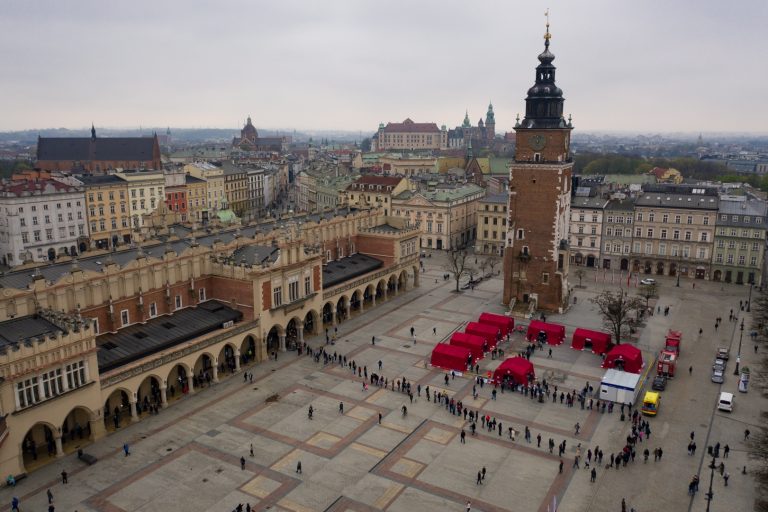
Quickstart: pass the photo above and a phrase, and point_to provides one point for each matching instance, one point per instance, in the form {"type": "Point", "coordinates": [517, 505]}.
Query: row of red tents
{"type": "Point", "coordinates": [470, 346]}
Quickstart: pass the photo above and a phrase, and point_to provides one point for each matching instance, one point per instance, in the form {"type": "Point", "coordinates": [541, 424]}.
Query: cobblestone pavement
{"type": "Point", "coordinates": [188, 457]}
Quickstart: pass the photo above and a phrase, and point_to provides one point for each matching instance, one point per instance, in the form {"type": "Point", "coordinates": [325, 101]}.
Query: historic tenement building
{"type": "Point", "coordinates": [739, 251]}
{"type": "Point", "coordinates": [536, 258]}
{"type": "Point", "coordinates": [586, 230]}
{"type": "Point", "coordinates": [410, 136]}
{"type": "Point", "coordinates": [93, 343]}
{"type": "Point", "coordinates": [674, 230]}
{"type": "Point", "coordinates": [97, 154]}
{"type": "Point", "coordinates": [492, 224]}
{"type": "Point", "coordinates": [617, 227]}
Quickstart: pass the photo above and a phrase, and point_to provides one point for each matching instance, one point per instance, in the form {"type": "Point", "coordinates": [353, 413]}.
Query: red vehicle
{"type": "Point", "coordinates": [673, 342]}
{"type": "Point", "coordinates": [667, 363]}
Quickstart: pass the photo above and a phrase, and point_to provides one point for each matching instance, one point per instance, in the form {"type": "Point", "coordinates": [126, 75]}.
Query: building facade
{"type": "Point", "coordinates": [109, 218]}
{"type": "Point", "coordinates": [145, 194]}
{"type": "Point", "coordinates": [236, 189]}
{"type": "Point", "coordinates": [446, 217]}
{"type": "Point", "coordinates": [740, 234]}
{"type": "Point", "coordinates": [41, 220]}
{"type": "Point", "coordinates": [492, 224]}
{"type": "Point", "coordinates": [214, 176]}
{"type": "Point", "coordinates": [618, 226]}
{"type": "Point", "coordinates": [586, 230]}
{"type": "Point", "coordinates": [674, 231]}
{"type": "Point", "coordinates": [375, 191]}
{"type": "Point", "coordinates": [536, 258]}
{"type": "Point", "coordinates": [197, 199]}
{"type": "Point", "coordinates": [410, 136]}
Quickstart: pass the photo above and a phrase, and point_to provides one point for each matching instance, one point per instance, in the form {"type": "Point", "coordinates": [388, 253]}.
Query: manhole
{"type": "Point", "coordinates": [272, 398]}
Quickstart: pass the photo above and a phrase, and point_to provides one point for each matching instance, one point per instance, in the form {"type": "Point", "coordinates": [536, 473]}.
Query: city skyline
{"type": "Point", "coordinates": [648, 67]}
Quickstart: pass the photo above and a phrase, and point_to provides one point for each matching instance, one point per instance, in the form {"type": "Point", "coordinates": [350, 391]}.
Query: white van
{"type": "Point", "coordinates": [726, 402]}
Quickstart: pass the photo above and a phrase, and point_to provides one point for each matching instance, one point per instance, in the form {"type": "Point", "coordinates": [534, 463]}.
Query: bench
{"type": "Point", "coordinates": [17, 478]}
{"type": "Point", "coordinates": [86, 457]}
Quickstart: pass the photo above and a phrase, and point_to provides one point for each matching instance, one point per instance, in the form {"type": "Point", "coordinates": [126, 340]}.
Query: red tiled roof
{"type": "Point", "coordinates": [658, 172]}
{"type": "Point", "coordinates": [38, 186]}
{"type": "Point", "coordinates": [409, 126]}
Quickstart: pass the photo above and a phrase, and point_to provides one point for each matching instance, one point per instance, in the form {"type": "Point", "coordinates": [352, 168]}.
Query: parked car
{"type": "Point", "coordinates": [647, 280]}
{"type": "Point", "coordinates": [659, 383]}
{"type": "Point", "coordinates": [718, 376]}
{"type": "Point", "coordinates": [719, 365]}
{"type": "Point", "coordinates": [722, 353]}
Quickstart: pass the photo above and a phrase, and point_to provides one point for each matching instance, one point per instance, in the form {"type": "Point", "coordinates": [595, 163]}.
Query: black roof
{"type": "Point", "coordinates": [344, 269]}
{"type": "Point", "coordinates": [96, 148]}
{"type": "Point", "coordinates": [140, 340]}
{"type": "Point", "coordinates": [23, 328]}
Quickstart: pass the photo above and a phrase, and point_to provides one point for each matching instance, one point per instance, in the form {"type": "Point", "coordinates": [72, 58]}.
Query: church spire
{"type": "Point", "coordinates": [93, 131]}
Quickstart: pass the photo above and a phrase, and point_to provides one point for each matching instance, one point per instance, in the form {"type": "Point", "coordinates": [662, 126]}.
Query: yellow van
{"type": "Point", "coordinates": [651, 403]}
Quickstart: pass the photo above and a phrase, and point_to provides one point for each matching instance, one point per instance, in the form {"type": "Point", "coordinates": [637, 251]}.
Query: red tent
{"type": "Point", "coordinates": [505, 323]}
{"type": "Point", "coordinates": [555, 332]}
{"type": "Point", "coordinates": [471, 342]}
{"type": "Point", "coordinates": [517, 368]}
{"type": "Point", "coordinates": [600, 340]}
{"type": "Point", "coordinates": [487, 332]}
{"type": "Point", "coordinates": [624, 355]}
{"type": "Point", "coordinates": [450, 357]}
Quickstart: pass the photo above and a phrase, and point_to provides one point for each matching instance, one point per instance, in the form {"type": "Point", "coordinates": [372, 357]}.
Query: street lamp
{"type": "Point", "coordinates": [738, 354]}
{"type": "Point", "coordinates": [749, 300]}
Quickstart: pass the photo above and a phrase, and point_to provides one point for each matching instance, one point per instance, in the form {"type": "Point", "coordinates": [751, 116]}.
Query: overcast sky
{"type": "Point", "coordinates": [650, 65]}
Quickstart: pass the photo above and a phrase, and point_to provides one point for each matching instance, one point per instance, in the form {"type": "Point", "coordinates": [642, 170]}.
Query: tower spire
{"type": "Point", "coordinates": [547, 35]}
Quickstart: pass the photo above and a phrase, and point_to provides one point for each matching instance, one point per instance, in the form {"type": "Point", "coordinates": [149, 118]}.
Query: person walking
{"type": "Point", "coordinates": [726, 476]}
{"type": "Point", "coordinates": [341, 407]}
{"type": "Point", "coordinates": [726, 451]}
{"type": "Point", "coordinates": [242, 463]}
{"type": "Point", "coordinates": [593, 475]}
{"type": "Point", "coordinates": [126, 449]}
{"type": "Point", "coordinates": [483, 471]}
{"type": "Point", "coordinates": [469, 506]}
{"type": "Point", "coordinates": [479, 479]}
{"type": "Point", "coordinates": [577, 427]}
{"type": "Point", "coordinates": [463, 436]}
{"type": "Point", "coordinates": [561, 466]}
{"type": "Point", "coordinates": [251, 449]}
{"type": "Point", "coordinates": [298, 467]}
{"type": "Point", "coordinates": [746, 434]}
{"type": "Point", "coordinates": [64, 477]}
{"type": "Point", "coordinates": [50, 496]}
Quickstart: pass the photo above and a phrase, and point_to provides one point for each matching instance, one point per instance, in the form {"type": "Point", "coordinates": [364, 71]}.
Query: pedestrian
{"type": "Point", "coordinates": [469, 506]}
{"type": "Point", "coordinates": [298, 467]}
{"type": "Point", "coordinates": [726, 476]}
{"type": "Point", "coordinates": [746, 434]}
{"type": "Point", "coordinates": [373, 340]}
{"type": "Point", "coordinates": [126, 449]}
{"type": "Point", "coordinates": [251, 449]}
{"type": "Point", "coordinates": [50, 496]}
{"type": "Point", "coordinates": [341, 407]}
{"type": "Point", "coordinates": [483, 471]}
{"type": "Point", "coordinates": [726, 451]}
{"type": "Point", "coordinates": [690, 370]}
{"type": "Point", "coordinates": [623, 505]}
{"type": "Point", "coordinates": [561, 466]}
{"type": "Point", "coordinates": [64, 477]}
{"type": "Point", "coordinates": [593, 475]}
{"type": "Point", "coordinates": [479, 479]}
{"type": "Point", "coordinates": [463, 436]}
{"type": "Point", "coordinates": [549, 355]}
{"type": "Point", "coordinates": [577, 427]}
{"type": "Point", "coordinates": [15, 504]}
{"type": "Point", "coordinates": [379, 418]}
{"type": "Point", "coordinates": [51, 508]}
{"type": "Point", "coordinates": [434, 331]}
{"type": "Point", "coordinates": [538, 440]}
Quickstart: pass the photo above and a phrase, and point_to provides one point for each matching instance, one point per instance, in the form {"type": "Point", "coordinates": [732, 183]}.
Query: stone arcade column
{"type": "Point", "coordinates": [163, 396]}
{"type": "Point", "coordinates": [237, 360]}
{"type": "Point", "coordinates": [191, 386]}
{"type": "Point", "coordinates": [59, 447]}
{"type": "Point", "coordinates": [98, 430]}
{"type": "Point", "coordinates": [215, 373]}
{"type": "Point", "coordinates": [300, 334]}
{"type": "Point", "coordinates": [416, 278]}
{"type": "Point", "coordinates": [134, 414]}
{"type": "Point", "coordinates": [282, 343]}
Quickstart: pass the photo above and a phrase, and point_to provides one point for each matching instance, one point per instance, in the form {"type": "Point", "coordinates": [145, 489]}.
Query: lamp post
{"type": "Point", "coordinates": [749, 300]}
{"type": "Point", "coordinates": [715, 452]}
{"type": "Point", "coordinates": [738, 354]}
{"type": "Point", "coordinates": [678, 275]}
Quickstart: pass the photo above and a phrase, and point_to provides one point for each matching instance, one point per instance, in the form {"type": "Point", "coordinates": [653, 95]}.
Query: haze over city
{"type": "Point", "coordinates": [641, 66]}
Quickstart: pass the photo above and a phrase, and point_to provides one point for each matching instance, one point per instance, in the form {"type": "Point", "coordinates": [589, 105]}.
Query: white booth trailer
{"type": "Point", "coordinates": [619, 387]}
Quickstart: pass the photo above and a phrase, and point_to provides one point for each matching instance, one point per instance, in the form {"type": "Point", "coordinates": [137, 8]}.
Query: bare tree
{"type": "Point", "coordinates": [483, 266]}
{"type": "Point", "coordinates": [617, 309]}
{"type": "Point", "coordinates": [492, 261]}
{"type": "Point", "coordinates": [458, 265]}
{"type": "Point", "coordinates": [580, 273]}
{"type": "Point", "coordinates": [648, 292]}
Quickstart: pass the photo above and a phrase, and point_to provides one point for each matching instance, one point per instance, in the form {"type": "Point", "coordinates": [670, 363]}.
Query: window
{"type": "Point", "coordinates": [592, 242]}
{"type": "Point", "coordinates": [607, 246]}
{"type": "Point", "coordinates": [594, 230]}
{"type": "Point", "coordinates": [60, 218]}
{"type": "Point", "coordinates": [520, 234]}
{"type": "Point", "coordinates": [723, 217]}
{"type": "Point", "coordinates": [686, 251]}
{"type": "Point", "coordinates": [745, 233]}
{"type": "Point", "coordinates": [674, 251]}
{"type": "Point", "coordinates": [37, 235]}
{"type": "Point", "coordinates": [664, 233]}
{"type": "Point", "coordinates": [648, 248]}
{"type": "Point", "coordinates": [34, 221]}
{"type": "Point", "coordinates": [579, 242]}
{"type": "Point", "coordinates": [651, 217]}
{"type": "Point", "coordinates": [594, 218]}
{"type": "Point", "coordinates": [545, 278]}
{"type": "Point", "coordinates": [742, 259]}
{"type": "Point", "coordinates": [153, 310]}
{"type": "Point", "coordinates": [636, 247]}
{"type": "Point", "coordinates": [277, 296]}
{"type": "Point", "coordinates": [650, 232]}
{"type": "Point", "coordinates": [718, 258]}
{"type": "Point", "coordinates": [307, 285]}
{"type": "Point", "coordinates": [702, 253]}
{"type": "Point", "coordinates": [665, 218]}
{"type": "Point", "coordinates": [755, 246]}
{"type": "Point", "coordinates": [293, 289]}
{"type": "Point", "coordinates": [201, 294]}
{"type": "Point", "coordinates": [756, 234]}
{"type": "Point", "coordinates": [731, 244]}
{"type": "Point", "coordinates": [662, 249]}
{"type": "Point", "coordinates": [75, 374]}
{"type": "Point", "coordinates": [729, 259]}
{"type": "Point", "coordinates": [690, 219]}
{"type": "Point", "coordinates": [638, 232]}
{"type": "Point", "coordinates": [49, 234]}
{"type": "Point", "coordinates": [677, 219]}
{"type": "Point", "coordinates": [743, 246]}
{"type": "Point", "coordinates": [178, 302]}
{"type": "Point", "coordinates": [53, 384]}
{"type": "Point", "coordinates": [688, 235]}
{"type": "Point", "coordinates": [27, 392]}
{"type": "Point", "coordinates": [704, 236]}
{"type": "Point", "coordinates": [753, 261]}
{"type": "Point", "coordinates": [639, 217]}
{"type": "Point", "coordinates": [124, 318]}
{"type": "Point", "coordinates": [758, 220]}
{"type": "Point", "coordinates": [706, 221]}
{"type": "Point", "coordinates": [720, 244]}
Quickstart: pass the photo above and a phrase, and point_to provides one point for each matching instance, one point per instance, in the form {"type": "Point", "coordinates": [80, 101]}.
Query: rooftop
{"type": "Point", "coordinates": [20, 329]}
{"type": "Point", "coordinates": [687, 201]}
{"type": "Point", "coordinates": [140, 340]}
{"type": "Point", "coordinates": [502, 198]}
{"type": "Point", "coordinates": [591, 203]}
{"type": "Point", "coordinates": [410, 127]}
{"type": "Point", "coordinates": [96, 148]}
{"type": "Point", "coordinates": [336, 272]}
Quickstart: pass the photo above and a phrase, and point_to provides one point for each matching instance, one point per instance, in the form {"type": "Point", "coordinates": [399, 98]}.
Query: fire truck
{"type": "Point", "coordinates": [667, 363]}
{"type": "Point", "coordinates": [673, 340]}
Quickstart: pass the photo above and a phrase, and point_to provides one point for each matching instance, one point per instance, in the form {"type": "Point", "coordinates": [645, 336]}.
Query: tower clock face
{"type": "Point", "coordinates": [537, 142]}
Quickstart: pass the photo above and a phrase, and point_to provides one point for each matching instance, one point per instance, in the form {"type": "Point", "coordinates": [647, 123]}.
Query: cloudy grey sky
{"type": "Point", "coordinates": [650, 65]}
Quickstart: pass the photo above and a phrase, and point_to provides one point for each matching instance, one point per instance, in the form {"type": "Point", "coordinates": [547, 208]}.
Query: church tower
{"type": "Point", "coordinates": [536, 254]}
{"type": "Point", "coordinates": [490, 124]}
